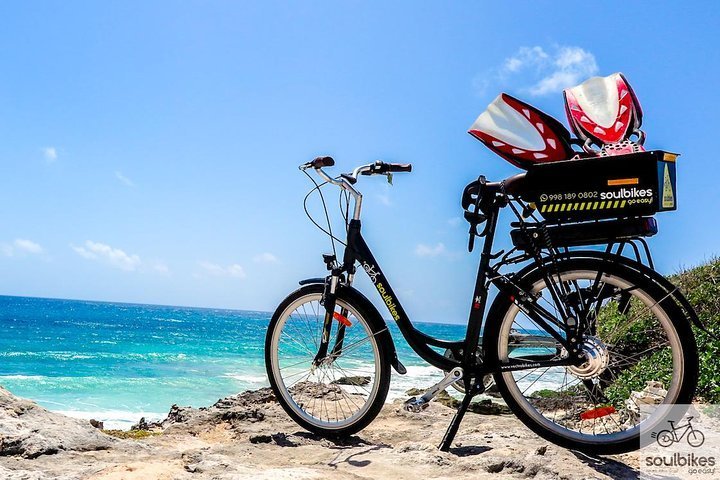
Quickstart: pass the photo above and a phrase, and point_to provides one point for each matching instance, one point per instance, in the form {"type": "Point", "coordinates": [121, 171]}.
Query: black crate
{"type": "Point", "coordinates": [637, 184]}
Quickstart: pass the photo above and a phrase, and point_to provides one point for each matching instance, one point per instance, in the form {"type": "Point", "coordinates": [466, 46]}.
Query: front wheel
{"type": "Point", "coordinates": [638, 351]}
{"type": "Point", "coordinates": [343, 392]}
{"type": "Point", "coordinates": [695, 438]}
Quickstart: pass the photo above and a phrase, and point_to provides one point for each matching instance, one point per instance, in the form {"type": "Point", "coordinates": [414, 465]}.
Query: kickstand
{"type": "Point", "coordinates": [455, 424]}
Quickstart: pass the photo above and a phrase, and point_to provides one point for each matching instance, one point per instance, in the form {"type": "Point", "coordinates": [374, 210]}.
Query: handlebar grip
{"type": "Point", "coordinates": [399, 167]}
{"type": "Point", "coordinates": [320, 162]}
{"type": "Point", "coordinates": [380, 168]}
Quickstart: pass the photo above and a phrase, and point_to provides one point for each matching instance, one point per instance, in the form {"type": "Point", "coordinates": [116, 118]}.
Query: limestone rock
{"type": "Point", "coordinates": [28, 430]}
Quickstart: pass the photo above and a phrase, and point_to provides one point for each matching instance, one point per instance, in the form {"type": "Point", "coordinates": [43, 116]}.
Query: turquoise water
{"type": "Point", "coordinates": [118, 362]}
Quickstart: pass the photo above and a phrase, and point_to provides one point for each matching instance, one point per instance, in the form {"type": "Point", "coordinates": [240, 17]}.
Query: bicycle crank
{"type": "Point", "coordinates": [418, 404]}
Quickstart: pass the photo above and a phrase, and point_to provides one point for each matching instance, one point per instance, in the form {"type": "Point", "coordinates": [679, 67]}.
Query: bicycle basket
{"type": "Point", "coordinates": [636, 184]}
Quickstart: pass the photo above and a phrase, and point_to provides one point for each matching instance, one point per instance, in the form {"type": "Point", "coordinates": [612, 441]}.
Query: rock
{"type": "Point", "coordinates": [246, 399]}
{"type": "Point", "coordinates": [97, 424]}
{"type": "Point", "coordinates": [488, 407]}
{"type": "Point", "coordinates": [144, 425]}
{"type": "Point", "coordinates": [482, 407]}
{"type": "Point", "coordinates": [246, 407]}
{"type": "Point", "coordinates": [541, 450]}
{"type": "Point", "coordinates": [260, 439]}
{"type": "Point", "coordinates": [414, 392]}
{"type": "Point", "coordinates": [28, 430]}
{"type": "Point", "coordinates": [357, 381]}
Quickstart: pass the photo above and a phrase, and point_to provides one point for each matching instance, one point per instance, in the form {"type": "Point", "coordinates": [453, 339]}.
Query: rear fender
{"type": "Point", "coordinates": [671, 290]}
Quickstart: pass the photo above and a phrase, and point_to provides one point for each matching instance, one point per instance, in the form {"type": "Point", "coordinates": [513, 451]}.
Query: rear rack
{"type": "Point", "coordinates": [533, 236]}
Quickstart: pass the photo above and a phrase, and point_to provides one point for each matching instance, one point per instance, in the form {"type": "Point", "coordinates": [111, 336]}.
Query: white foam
{"type": "Point", "coordinates": [114, 419]}
{"type": "Point", "coordinates": [248, 378]}
{"type": "Point", "coordinates": [22, 377]}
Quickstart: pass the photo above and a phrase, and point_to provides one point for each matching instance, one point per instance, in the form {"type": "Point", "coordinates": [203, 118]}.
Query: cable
{"type": "Point", "coordinates": [346, 211]}
{"type": "Point", "coordinates": [327, 232]}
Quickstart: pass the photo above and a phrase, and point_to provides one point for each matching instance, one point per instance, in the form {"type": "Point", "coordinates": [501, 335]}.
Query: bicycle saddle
{"type": "Point", "coordinates": [521, 134]}
{"type": "Point", "coordinates": [606, 112]}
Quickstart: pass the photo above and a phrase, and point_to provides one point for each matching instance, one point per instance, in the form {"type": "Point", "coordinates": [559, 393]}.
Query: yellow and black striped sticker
{"type": "Point", "coordinates": [591, 205]}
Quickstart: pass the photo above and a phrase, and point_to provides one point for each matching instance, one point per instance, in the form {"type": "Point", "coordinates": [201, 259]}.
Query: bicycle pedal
{"type": "Point", "coordinates": [415, 405]}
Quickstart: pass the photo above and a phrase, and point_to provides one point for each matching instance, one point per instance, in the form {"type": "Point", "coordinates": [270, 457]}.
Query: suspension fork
{"type": "Point", "coordinates": [330, 303]}
{"type": "Point", "coordinates": [329, 299]}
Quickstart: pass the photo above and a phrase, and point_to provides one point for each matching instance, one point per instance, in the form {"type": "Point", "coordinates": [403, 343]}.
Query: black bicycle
{"type": "Point", "coordinates": [582, 344]}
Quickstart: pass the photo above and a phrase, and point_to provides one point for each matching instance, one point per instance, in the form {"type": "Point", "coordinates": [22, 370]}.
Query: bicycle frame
{"type": "Point", "coordinates": [357, 250]}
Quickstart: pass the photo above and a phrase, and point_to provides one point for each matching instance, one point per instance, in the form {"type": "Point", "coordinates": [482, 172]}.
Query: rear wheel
{"type": "Point", "coordinates": [638, 347]}
{"type": "Point", "coordinates": [346, 391]}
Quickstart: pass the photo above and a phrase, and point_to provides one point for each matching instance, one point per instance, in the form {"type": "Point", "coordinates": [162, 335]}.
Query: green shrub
{"type": "Point", "coordinates": [701, 286]}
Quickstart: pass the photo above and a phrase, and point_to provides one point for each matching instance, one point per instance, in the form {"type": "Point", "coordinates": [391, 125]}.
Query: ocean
{"type": "Point", "coordinates": [118, 362]}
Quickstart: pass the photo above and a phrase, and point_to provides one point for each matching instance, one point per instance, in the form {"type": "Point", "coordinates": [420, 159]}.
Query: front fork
{"type": "Point", "coordinates": [329, 302]}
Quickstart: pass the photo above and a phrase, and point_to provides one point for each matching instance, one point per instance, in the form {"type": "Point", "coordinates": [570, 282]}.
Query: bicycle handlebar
{"type": "Point", "coordinates": [381, 167]}
{"type": "Point", "coordinates": [347, 180]}
{"type": "Point", "coordinates": [320, 162]}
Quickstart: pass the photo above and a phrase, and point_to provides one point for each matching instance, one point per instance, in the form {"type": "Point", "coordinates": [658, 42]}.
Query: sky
{"type": "Point", "coordinates": [149, 150]}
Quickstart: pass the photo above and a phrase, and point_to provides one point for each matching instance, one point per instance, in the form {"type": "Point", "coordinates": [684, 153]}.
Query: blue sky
{"type": "Point", "coordinates": [148, 150]}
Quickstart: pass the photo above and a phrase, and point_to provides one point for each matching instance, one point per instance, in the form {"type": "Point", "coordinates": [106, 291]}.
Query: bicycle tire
{"type": "Point", "coordinates": [337, 394]}
{"type": "Point", "coordinates": [674, 322]}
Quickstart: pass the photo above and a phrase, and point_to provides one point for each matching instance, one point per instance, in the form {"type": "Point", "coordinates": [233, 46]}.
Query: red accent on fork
{"type": "Point", "coordinates": [342, 319]}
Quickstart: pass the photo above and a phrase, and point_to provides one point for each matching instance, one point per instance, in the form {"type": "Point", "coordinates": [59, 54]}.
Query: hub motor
{"type": "Point", "coordinates": [597, 358]}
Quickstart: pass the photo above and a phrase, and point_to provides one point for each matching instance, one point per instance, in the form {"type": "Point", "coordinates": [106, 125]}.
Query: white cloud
{"type": "Point", "coordinates": [423, 250]}
{"type": "Point", "coordinates": [454, 221]}
{"type": "Point", "coordinates": [21, 246]}
{"type": "Point", "coordinates": [571, 66]}
{"type": "Point", "coordinates": [161, 268]}
{"type": "Point", "coordinates": [539, 71]}
{"type": "Point", "coordinates": [123, 179]}
{"type": "Point", "coordinates": [27, 246]}
{"type": "Point", "coordinates": [50, 154]}
{"type": "Point", "coordinates": [524, 58]}
{"type": "Point", "coordinates": [233, 270]}
{"type": "Point", "coordinates": [384, 199]}
{"type": "Point", "coordinates": [106, 254]}
{"type": "Point", "coordinates": [266, 257]}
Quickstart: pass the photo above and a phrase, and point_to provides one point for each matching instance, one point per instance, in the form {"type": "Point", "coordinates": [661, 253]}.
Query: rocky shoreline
{"type": "Point", "coordinates": [248, 436]}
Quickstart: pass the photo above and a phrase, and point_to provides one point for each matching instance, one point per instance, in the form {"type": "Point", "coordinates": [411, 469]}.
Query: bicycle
{"type": "Point", "coordinates": [562, 339]}
{"type": "Point", "coordinates": [695, 438]}
{"type": "Point", "coordinates": [583, 345]}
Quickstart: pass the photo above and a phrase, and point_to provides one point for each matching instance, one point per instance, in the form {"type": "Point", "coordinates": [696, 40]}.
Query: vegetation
{"type": "Point", "coordinates": [132, 434]}
{"type": "Point", "coordinates": [701, 286]}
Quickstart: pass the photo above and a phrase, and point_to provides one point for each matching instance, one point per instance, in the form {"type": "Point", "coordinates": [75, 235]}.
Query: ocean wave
{"type": "Point", "coordinates": [169, 320]}
{"type": "Point", "coordinates": [73, 355]}
{"type": "Point", "coordinates": [114, 419]}
{"type": "Point", "coordinates": [262, 379]}
{"type": "Point", "coordinates": [21, 377]}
